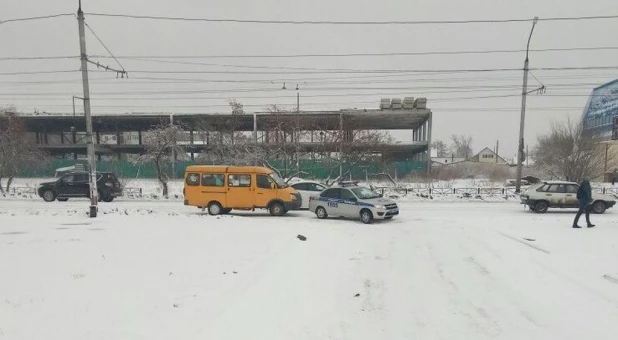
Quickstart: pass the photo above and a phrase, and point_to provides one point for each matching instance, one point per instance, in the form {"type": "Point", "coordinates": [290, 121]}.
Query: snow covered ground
{"type": "Point", "coordinates": [159, 270]}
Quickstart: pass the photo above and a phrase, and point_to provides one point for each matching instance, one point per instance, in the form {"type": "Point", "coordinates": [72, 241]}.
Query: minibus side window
{"type": "Point", "coordinates": [193, 179]}
{"type": "Point", "coordinates": [213, 180]}
{"type": "Point", "coordinates": [264, 182]}
{"type": "Point", "coordinates": [239, 180]}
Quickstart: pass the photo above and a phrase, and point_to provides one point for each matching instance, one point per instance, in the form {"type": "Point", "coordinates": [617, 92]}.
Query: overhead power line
{"type": "Point", "coordinates": [158, 95]}
{"type": "Point", "coordinates": [395, 71]}
{"type": "Point", "coordinates": [338, 55]}
{"type": "Point", "coordinates": [36, 72]}
{"type": "Point", "coordinates": [328, 22]}
{"type": "Point", "coordinates": [382, 54]}
{"type": "Point", "coordinates": [61, 57]}
{"type": "Point", "coordinates": [36, 18]}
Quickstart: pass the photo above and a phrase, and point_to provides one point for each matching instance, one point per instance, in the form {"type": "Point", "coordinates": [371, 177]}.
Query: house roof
{"type": "Point", "coordinates": [500, 159]}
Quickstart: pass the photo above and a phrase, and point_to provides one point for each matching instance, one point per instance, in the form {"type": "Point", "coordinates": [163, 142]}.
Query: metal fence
{"type": "Point", "coordinates": [474, 191]}
{"type": "Point", "coordinates": [19, 191]}
{"type": "Point", "coordinates": [136, 192]}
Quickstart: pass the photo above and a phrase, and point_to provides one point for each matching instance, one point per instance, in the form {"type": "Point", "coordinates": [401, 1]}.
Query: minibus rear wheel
{"type": "Point", "coordinates": [214, 208]}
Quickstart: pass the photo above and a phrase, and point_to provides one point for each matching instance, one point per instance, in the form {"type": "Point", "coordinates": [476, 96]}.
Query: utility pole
{"type": "Point", "coordinates": [173, 149]}
{"type": "Point", "coordinates": [527, 156]}
{"type": "Point", "coordinates": [497, 150]}
{"type": "Point", "coordinates": [524, 93]}
{"type": "Point", "coordinates": [94, 196]}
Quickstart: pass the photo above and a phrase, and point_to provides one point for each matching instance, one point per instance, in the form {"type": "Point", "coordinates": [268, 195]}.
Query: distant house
{"type": "Point", "coordinates": [488, 156]}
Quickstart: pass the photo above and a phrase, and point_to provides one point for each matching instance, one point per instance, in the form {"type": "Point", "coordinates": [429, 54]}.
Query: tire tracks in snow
{"type": "Point", "coordinates": [461, 301]}
{"type": "Point", "coordinates": [525, 243]}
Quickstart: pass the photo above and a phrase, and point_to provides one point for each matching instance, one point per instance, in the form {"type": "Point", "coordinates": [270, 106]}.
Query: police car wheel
{"type": "Point", "coordinates": [366, 216]}
{"type": "Point", "coordinates": [321, 213]}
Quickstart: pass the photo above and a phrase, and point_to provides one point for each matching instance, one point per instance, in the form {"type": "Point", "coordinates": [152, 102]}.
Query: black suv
{"type": "Point", "coordinates": [75, 184]}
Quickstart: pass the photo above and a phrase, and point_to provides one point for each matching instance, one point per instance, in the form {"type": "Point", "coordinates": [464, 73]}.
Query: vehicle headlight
{"type": "Point", "coordinates": [293, 197]}
{"type": "Point", "coordinates": [380, 207]}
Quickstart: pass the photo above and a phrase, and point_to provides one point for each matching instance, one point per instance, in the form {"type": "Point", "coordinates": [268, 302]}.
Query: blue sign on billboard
{"type": "Point", "coordinates": [602, 109]}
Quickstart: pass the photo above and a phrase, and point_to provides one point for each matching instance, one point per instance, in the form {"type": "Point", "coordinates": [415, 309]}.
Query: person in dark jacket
{"type": "Point", "coordinates": [584, 196]}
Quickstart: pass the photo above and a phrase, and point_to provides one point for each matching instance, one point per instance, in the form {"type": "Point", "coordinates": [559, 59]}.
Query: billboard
{"type": "Point", "coordinates": [602, 109]}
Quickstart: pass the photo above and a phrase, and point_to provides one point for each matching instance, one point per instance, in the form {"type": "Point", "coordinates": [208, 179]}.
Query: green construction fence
{"type": "Point", "coordinates": [310, 168]}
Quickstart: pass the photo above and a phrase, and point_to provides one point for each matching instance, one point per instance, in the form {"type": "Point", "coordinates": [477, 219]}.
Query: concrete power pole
{"type": "Point", "coordinates": [497, 150]}
{"type": "Point", "coordinates": [524, 93]}
{"type": "Point", "coordinates": [173, 149]}
{"type": "Point", "coordinates": [94, 196]}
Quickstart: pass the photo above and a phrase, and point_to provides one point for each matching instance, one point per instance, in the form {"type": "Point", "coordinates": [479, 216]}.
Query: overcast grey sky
{"type": "Point", "coordinates": [487, 119]}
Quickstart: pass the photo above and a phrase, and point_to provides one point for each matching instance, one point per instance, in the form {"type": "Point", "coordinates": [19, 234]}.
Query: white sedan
{"type": "Point", "coordinates": [307, 189]}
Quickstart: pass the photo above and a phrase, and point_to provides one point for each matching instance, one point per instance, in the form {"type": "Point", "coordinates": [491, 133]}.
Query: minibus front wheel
{"type": "Point", "coordinates": [277, 209]}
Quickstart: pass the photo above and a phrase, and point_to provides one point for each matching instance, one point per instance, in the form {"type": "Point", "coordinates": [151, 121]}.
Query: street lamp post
{"type": "Point", "coordinates": [524, 93]}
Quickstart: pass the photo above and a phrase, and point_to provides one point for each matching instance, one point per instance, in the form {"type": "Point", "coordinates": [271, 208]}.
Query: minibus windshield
{"type": "Point", "coordinates": [280, 182]}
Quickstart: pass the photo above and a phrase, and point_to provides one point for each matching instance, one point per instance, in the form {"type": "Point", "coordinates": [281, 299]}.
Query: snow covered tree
{"type": "Point", "coordinates": [161, 149]}
{"type": "Point", "coordinates": [16, 150]}
{"type": "Point", "coordinates": [226, 145]}
{"type": "Point", "coordinates": [441, 148]}
{"type": "Point", "coordinates": [567, 153]}
{"type": "Point", "coordinates": [352, 147]}
{"type": "Point", "coordinates": [462, 146]}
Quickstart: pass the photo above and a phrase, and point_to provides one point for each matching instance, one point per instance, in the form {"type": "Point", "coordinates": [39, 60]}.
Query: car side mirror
{"type": "Point", "coordinates": [381, 195]}
{"type": "Point", "coordinates": [273, 186]}
{"type": "Point", "coordinates": [353, 200]}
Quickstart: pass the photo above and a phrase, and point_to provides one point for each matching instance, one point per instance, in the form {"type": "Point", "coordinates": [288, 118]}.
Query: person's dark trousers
{"type": "Point", "coordinates": [581, 210]}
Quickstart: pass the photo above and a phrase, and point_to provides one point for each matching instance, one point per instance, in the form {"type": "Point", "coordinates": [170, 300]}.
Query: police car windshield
{"type": "Point", "coordinates": [280, 182]}
{"type": "Point", "coordinates": [365, 193]}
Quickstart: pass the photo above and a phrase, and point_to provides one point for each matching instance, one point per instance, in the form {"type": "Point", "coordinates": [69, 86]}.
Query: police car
{"type": "Point", "coordinates": [352, 201]}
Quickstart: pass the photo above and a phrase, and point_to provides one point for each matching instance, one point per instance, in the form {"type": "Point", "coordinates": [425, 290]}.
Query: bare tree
{"type": "Point", "coordinates": [339, 149]}
{"type": "Point", "coordinates": [226, 145]}
{"type": "Point", "coordinates": [17, 152]}
{"type": "Point", "coordinates": [462, 146]}
{"type": "Point", "coordinates": [441, 148]}
{"type": "Point", "coordinates": [161, 148]}
{"type": "Point", "coordinates": [284, 135]}
{"type": "Point", "coordinates": [566, 153]}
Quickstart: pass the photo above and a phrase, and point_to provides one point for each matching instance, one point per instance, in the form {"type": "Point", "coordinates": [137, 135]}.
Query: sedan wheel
{"type": "Point", "coordinates": [599, 207]}
{"type": "Point", "coordinates": [541, 207]}
{"type": "Point", "coordinates": [321, 213]}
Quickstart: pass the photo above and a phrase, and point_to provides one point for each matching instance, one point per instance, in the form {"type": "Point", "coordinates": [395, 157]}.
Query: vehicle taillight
{"type": "Point", "coordinates": [311, 198]}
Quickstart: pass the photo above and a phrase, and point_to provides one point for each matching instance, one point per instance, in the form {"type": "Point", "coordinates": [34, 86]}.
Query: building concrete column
{"type": "Point", "coordinates": [191, 144]}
